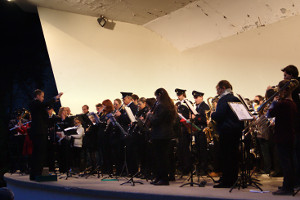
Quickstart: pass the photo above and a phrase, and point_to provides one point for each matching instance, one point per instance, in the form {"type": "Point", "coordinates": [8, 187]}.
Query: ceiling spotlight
{"type": "Point", "coordinates": [102, 21]}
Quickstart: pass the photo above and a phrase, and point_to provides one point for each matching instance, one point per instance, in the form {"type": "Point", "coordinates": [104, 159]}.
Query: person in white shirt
{"type": "Point", "coordinates": [77, 145]}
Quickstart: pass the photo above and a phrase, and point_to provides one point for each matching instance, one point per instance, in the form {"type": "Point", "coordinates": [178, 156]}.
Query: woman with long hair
{"type": "Point", "coordinates": [162, 121]}
{"type": "Point", "coordinates": [105, 137]}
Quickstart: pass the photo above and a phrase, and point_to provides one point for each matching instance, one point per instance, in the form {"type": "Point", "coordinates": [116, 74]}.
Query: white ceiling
{"type": "Point", "coordinates": [184, 23]}
{"type": "Point", "coordinates": [131, 11]}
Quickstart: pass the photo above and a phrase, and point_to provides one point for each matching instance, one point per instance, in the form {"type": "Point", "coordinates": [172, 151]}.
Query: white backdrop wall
{"type": "Point", "coordinates": [91, 63]}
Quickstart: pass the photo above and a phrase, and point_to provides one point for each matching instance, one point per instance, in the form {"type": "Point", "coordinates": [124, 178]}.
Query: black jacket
{"type": "Point", "coordinates": [201, 117]}
{"type": "Point", "coordinates": [40, 117]}
{"type": "Point", "coordinates": [123, 119]}
{"type": "Point", "coordinates": [227, 121]}
{"type": "Point", "coordinates": [162, 123]}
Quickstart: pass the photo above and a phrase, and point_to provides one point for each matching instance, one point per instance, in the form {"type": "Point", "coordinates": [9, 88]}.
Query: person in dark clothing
{"type": "Point", "coordinates": [291, 72]}
{"type": "Point", "coordinates": [39, 130]}
{"type": "Point", "coordinates": [125, 122]}
{"type": "Point", "coordinates": [200, 137]}
{"type": "Point", "coordinates": [284, 110]}
{"type": "Point", "coordinates": [64, 150]}
{"type": "Point", "coordinates": [90, 143]}
{"type": "Point", "coordinates": [230, 129]}
{"type": "Point", "coordinates": [162, 123]}
{"type": "Point", "coordinates": [183, 150]}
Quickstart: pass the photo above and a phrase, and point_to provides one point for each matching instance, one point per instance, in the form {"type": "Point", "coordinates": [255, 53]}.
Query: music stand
{"type": "Point", "coordinates": [245, 179]}
{"type": "Point", "coordinates": [190, 179]}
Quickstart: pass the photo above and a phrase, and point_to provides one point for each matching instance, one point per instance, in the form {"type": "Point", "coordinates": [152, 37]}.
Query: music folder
{"type": "Point", "coordinates": [191, 107]}
{"type": "Point", "coordinates": [130, 114]}
{"type": "Point", "coordinates": [240, 110]}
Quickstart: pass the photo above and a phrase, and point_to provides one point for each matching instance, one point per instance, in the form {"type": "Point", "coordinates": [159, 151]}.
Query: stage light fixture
{"type": "Point", "coordinates": [102, 21]}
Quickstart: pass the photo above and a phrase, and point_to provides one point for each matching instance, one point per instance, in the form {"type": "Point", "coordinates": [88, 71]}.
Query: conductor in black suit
{"type": "Point", "coordinates": [39, 130]}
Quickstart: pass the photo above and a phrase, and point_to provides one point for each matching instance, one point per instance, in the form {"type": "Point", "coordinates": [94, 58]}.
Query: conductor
{"type": "Point", "coordinates": [39, 128]}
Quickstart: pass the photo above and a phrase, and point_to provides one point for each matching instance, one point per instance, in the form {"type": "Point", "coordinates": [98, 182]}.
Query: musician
{"type": "Point", "coordinates": [84, 117]}
{"type": "Point", "coordinates": [258, 100]}
{"type": "Point", "coordinates": [162, 123]}
{"type": "Point", "coordinates": [52, 139]}
{"type": "Point", "coordinates": [16, 142]}
{"type": "Point", "coordinates": [91, 143]}
{"type": "Point", "coordinates": [68, 111]}
{"type": "Point", "coordinates": [284, 110]}
{"type": "Point", "coordinates": [229, 128]}
{"type": "Point", "coordinates": [135, 99]}
{"type": "Point", "coordinates": [125, 122]}
{"type": "Point", "coordinates": [200, 137]}
{"type": "Point", "coordinates": [291, 72]}
{"type": "Point", "coordinates": [99, 108]}
{"type": "Point", "coordinates": [122, 115]}
{"type": "Point", "coordinates": [138, 133]}
{"type": "Point", "coordinates": [39, 129]}
{"type": "Point", "coordinates": [64, 151]}
{"type": "Point", "coordinates": [110, 143]}
{"type": "Point", "coordinates": [183, 151]}
{"type": "Point", "coordinates": [77, 145]}
{"type": "Point", "coordinates": [117, 104]}
{"type": "Point", "coordinates": [182, 107]}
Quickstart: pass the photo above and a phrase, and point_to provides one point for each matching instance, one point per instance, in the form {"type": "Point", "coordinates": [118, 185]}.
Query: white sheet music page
{"type": "Point", "coordinates": [191, 107]}
{"type": "Point", "coordinates": [240, 110]}
{"type": "Point", "coordinates": [130, 114]}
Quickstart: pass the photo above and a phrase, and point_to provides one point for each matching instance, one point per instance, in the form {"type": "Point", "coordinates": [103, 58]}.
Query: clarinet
{"type": "Point", "coordinates": [147, 117]}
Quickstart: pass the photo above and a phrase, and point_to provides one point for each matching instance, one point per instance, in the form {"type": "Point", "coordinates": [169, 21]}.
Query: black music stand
{"type": "Point", "coordinates": [296, 192]}
{"type": "Point", "coordinates": [245, 179]}
{"type": "Point", "coordinates": [125, 167]}
{"type": "Point", "coordinates": [191, 179]}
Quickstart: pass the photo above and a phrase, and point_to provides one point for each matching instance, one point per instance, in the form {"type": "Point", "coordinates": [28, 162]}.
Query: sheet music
{"type": "Point", "coordinates": [130, 114]}
{"type": "Point", "coordinates": [240, 110]}
{"type": "Point", "coordinates": [71, 128]}
{"type": "Point", "coordinates": [191, 107]}
{"type": "Point", "coordinates": [61, 135]}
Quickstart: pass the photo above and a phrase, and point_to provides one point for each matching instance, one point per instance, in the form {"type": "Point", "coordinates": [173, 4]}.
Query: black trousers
{"type": "Point", "coordinates": [38, 154]}
{"type": "Point", "coordinates": [285, 153]}
{"type": "Point", "coordinates": [161, 150]}
{"type": "Point", "coordinates": [229, 150]}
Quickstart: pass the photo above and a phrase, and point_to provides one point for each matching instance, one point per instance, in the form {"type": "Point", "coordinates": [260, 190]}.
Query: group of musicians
{"type": "Point", "coordinates": [151, 138]}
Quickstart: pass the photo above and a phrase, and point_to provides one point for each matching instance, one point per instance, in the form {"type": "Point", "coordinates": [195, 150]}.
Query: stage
{"type": "Point", "coordinates": [93, 188]}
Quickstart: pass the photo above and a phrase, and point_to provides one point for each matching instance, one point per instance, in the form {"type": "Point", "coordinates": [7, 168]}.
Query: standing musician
{"type": "Point", "coordinates": [39, 130]}
{"type": "Point", "coordinates": [52, 139]}
{"type": "Point", "coordinates": [110, 145]}
{"type": "Point", "coordinates": [183, 151]}
{"type": "Point", "coordinates": [230, 129]}
{"type": "Point", "coordinates": [16, 141]}
{"type": "Point", "coordinates": [162, 124]}
{"type": "Point", "coordinates": [125, 122]}
{"type": "Point", "coordinates": [117, 104]}
{"type": "Point", "coordinates": [139, 135]}
{"type": "Point", "coordinates": [284, 110]}
{"type": "Point", "coordinates": [291, 72]}
{"type": "Point", "coordinates": [200, 137]}
{"type": "Point", "coordinates": [64, 151]}
{"type": "Point", "coordinates": [99, 108]}
{"type": "Point", "coordinates": [84, 117]}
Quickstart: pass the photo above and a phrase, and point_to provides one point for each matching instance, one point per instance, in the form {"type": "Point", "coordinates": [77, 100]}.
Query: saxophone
{"type": "Point", "coordinates": [210, 129]}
